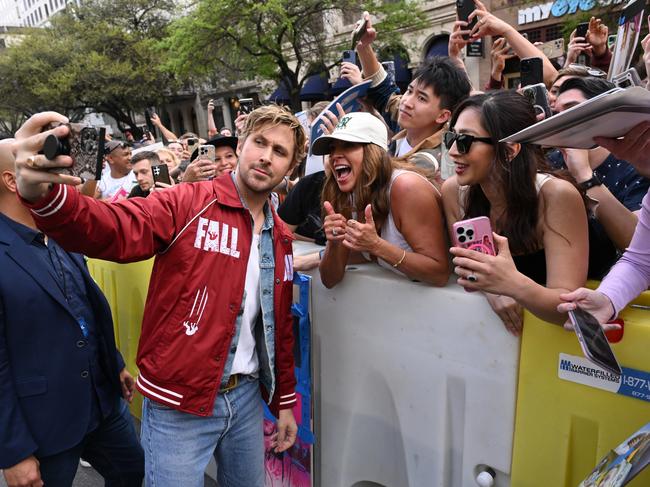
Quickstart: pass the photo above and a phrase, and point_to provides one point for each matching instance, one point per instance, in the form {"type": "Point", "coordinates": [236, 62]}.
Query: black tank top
{"type": "Point", "coordinates": [532, 265]}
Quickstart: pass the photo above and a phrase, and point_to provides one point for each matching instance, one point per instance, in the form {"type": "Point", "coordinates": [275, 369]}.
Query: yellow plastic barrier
{"type": "Point", "coordinates": [125, 287]}
{"type": "Point", "coordinates": [562, 428]}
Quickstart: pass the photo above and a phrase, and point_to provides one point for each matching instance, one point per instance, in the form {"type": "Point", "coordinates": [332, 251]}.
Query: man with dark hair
{"type": "Point", "coordinates": [61, 376]}
{"type": "Point", "coordinates": [141, 163]}
{"type": "Point", "coordinates": [217, 327]}
{"type": "Point", "coordinates": [418, 116]}
{"type": "Point", "coordinates": [117, 182]}
{"type": "Point", "coordinates": [613, 183]}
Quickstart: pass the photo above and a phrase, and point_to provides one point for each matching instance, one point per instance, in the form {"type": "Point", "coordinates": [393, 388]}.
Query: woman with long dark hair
{"type": "Point", "coordinates": [375, 210]}
{"type": "Point", "coordinates": [539, 219]}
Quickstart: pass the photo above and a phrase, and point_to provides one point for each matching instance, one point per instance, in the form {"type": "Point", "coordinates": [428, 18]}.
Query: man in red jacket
{"type": "Point", "coordinates": [217, 322]}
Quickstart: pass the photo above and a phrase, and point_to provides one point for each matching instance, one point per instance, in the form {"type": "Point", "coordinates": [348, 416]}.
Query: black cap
{"type": "Point", "coordinates": [218, 141]}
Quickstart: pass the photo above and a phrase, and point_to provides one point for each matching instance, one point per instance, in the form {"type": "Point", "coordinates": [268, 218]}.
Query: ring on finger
{"type": "Point", "coordinates": [472, 278]}
{"type": "Point", "coordinates": [335, 232]}
{"type": "Point", "coordinates": [31, 161]}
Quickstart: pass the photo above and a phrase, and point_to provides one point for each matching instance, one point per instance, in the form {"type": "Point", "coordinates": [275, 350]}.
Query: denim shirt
{"type": "Point", "coordinates": [264, 346]}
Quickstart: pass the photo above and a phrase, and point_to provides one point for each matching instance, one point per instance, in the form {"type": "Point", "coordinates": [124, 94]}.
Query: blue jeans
{"type": "Point", "coordinates": [112, 449]}
{"type": "Point", "coordinates": [178, 446]}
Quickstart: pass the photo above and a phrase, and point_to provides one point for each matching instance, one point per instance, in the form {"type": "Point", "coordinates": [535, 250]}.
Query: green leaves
{"type": "Point", "coordinates": [231, 40]}
{"type": "Point", "coordinates": [101, 55]}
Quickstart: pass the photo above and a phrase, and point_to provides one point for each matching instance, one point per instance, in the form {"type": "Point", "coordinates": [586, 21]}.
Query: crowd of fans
{"type": "Point", "coordinates": [560, 215]}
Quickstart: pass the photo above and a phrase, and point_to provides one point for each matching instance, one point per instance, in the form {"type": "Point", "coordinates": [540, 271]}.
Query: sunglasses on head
{"type": "Point", "coordinates": [463, 141]}
{"type": "Point", "coordinates": [598, 73]}
{"type": "Point", "coordinates": [121, 145]}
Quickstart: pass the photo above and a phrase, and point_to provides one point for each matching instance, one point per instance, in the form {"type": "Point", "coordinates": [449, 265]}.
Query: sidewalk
{"type": "Point", "coordinates": [87, 477]}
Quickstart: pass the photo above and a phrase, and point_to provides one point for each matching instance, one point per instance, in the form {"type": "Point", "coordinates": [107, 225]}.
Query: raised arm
{"type": "Point", "coordinates": [212, 128]}
{"type": "Point", "coordinates": [166, 133]}
{"type": "Point", "coordinates": [126, 231]}
{"type": "Point", "coordinates": [490, 24]}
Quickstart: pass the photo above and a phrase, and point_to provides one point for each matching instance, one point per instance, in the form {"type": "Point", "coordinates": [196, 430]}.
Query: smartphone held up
{"type": "Point", "coordinates": [84, 144]}
{"type": "Point", "coordinates": [593, 341]}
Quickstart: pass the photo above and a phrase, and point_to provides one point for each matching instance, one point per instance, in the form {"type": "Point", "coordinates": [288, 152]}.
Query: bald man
{"type": "Point", "coordinates": [61, 376]}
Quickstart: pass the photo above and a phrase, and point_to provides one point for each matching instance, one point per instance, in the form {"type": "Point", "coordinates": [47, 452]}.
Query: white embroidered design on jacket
{"type": "Point", "coordinates": [192, 323]}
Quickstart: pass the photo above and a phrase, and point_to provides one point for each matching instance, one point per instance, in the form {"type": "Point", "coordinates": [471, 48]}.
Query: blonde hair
{"type": "Point", "coordinates": [171, 154]}
{"type": "Point", "coordinates": [273, 115]}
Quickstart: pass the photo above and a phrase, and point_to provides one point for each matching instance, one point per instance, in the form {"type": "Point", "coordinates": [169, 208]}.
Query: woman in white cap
{"type": "Point", "coordinates": [376, 209]}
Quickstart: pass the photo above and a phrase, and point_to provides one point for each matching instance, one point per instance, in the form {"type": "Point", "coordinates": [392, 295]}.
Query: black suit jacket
{"type": "Point", "coordinates": [45, 387]}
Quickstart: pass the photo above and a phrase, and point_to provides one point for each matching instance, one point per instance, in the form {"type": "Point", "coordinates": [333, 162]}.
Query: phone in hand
{"type": "Point", "coordinates": [463, 9]}
{"type": "Point", "coordinates": [593, 341]}
{"type": "Point", "coordinates": [84, 144]}
{"type": "Point", "coordinates": [359, 31]}
{"type": "Point", "coordinates": [582, 29]}
{"type": "Point", "coordinates": [161, 174]}
{"type": "Point", "coordinates": [207, 152]}
{"type": "Point", "coordinates": [349, 56]}
{"type": "Point", "coordinates": [553, 49]}
{"type": "Point", "coordinates": [474, 234]}
{"type": "Point", "coordinates": [192, 144]}
{"type": "Point", "coordinates": [538, 96]}
{"type": "Point", "coordinates": [246, 105]}
{"type": "Point", "coordinates": [532, 71]}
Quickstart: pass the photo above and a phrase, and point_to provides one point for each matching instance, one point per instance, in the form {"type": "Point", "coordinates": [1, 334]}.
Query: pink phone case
{"type": "Point", "coordinates": [474, 234]}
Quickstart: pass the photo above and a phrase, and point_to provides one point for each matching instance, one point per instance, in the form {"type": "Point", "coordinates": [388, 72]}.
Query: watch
{"type": "Point", "coordinates": [590, 183]}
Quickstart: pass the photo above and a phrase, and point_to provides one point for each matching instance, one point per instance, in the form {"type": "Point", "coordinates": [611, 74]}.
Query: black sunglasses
{"type": "Point", "coordinates": [463, 141]}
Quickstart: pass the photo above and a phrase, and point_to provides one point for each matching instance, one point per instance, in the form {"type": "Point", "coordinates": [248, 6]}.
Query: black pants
{"type": "Point", "coordinates": [113, 450]}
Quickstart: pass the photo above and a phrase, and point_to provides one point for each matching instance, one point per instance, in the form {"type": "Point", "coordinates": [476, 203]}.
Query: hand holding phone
{"type": "Point", "coordinates": [161, 174]}
{"type": "Point", "coordinates": [207, 152]}
{"type": "Point", "coordinates": [474, 234]}
{"type": "Point", "coordinates": [360, 30]}
{"type": "Point", "coordinates": [246, 105]}
{"type": "Point", "coordinates": [582, 29]}
{"type": "Point", "coordinates": [538, 97]}
{"type": "Point", "coordinates": [593, 341]}
{"type": "Point", "coordinates": [463, 9]}
{"type": "Point", "coordinates": [349, 56]}
{"type": "Point", "coordinates": [84, 144]}
{"type": "Point", "coordinates": [192, 144]}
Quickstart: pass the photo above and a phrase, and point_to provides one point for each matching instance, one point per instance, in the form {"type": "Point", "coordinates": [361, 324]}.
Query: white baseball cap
{"type": "Point", "coordinates": [359, 127]}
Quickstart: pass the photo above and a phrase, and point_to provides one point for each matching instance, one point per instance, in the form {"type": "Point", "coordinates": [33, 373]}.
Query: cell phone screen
{"type": "Point", "coordinates": [593, 340]}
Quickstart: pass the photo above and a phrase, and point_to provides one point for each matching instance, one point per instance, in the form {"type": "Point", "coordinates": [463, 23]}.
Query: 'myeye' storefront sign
{"type": "Point", "coordinates": [559, 8]}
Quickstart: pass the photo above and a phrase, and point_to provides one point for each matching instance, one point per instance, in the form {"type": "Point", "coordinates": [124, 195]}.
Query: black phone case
{"type": "Point", "coordinates": [581, 30]}
{"type": "Point", "coordinates": [161, 174]}
{"type": "Point", "coordinates": [464, 8]}
{"type": "Point", "coordinates": [531, 71]}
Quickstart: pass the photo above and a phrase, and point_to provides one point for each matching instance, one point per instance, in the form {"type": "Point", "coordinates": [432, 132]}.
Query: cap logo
{"type": "Point", "coordinates": [343, 122]}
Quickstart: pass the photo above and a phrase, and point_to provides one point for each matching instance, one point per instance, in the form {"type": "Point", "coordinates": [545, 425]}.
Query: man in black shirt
{"type": "Point", "coordinates": [301, 209]}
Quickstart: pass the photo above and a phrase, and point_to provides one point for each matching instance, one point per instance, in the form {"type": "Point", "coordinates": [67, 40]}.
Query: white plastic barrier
{"type": "Point", "coordinates": [415, 386]}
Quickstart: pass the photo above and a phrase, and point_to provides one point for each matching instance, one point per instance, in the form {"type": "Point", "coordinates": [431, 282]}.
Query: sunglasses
{"type": "Point", "coordinates": [121, 145]}
{"type": "Point", "coordinates": [463, 141]}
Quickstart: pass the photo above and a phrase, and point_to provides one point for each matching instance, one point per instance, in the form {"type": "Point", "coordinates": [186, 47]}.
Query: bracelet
{"type": "Point", "coordinates": [401, 260]}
